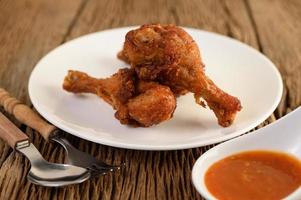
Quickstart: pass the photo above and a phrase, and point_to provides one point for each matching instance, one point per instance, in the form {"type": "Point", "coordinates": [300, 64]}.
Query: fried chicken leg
{"type": "Point", "coordinates": [169, 55]}
{"type": "Point", "coordinates": [136, 102]}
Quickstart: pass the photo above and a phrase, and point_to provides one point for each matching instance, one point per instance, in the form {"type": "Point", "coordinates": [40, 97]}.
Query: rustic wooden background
{"type": "Point", "coordinates": [31, 28]}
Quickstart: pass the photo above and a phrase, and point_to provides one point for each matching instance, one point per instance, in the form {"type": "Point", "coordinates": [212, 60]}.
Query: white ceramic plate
{"type": "Point", "coordinates": [234, 67]}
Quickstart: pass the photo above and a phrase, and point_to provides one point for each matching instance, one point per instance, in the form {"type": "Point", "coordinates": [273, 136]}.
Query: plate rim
{"type": "Point", "coordinates": [135, 146]}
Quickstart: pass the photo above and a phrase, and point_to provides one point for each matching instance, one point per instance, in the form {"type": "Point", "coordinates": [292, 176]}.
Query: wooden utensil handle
{"type": "Point", "coordinates": [25, 114]}
{"type": "Point", "coordinates": [10, 133]}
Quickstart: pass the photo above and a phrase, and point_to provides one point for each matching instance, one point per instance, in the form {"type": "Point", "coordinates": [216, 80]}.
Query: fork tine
{"type": "Point", "coordinates": [111, 168]}
{"type": "Point", "coordinates": [101, 166]}
{"type": "Point", "coordinates": [80, 158]}
{"type": "Point", "coordinates": [95, 173]}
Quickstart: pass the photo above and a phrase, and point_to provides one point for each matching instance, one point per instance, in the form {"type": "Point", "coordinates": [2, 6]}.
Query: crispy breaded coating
{"type": "Point", "coordinates": [136, 102]}
{"type": "Point", "coordinates": [154, 104]}
{"type": "Point", "coordinates": [168, 55]}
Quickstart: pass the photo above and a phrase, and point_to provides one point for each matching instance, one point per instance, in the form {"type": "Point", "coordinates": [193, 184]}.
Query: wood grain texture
{"type": "Point", "coordinates": [10, 133]}
{"type": "Point", "coordinates": [30, 28]}
{"type": "Point", "coordinates": [25, 115]}
{"type": "Point", "coordinates": [279, 30]}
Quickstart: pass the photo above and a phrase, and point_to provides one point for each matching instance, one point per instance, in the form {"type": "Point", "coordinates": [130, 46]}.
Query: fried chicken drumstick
{"type": "Point", "coordinates": [136, 102]}
{"type": "Point", "coordinates": [168, 55]}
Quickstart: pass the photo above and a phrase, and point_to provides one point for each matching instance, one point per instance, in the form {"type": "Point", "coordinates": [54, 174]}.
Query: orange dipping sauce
{"type": "Point", "coordinates": [262, 175]}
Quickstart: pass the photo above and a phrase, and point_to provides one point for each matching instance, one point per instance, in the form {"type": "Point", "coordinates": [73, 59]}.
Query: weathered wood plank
{"type": "Point", "coordinates": [279, 31]}
{"type": "Point", "coordinates": [28, 29]}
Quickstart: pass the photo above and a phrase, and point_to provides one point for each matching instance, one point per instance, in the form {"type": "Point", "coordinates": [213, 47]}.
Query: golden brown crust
{"type": "Point", "coordinates": [115, 90]}
{"type": "Point", "coordinates": [154, 104]}
{"type": "Point", "coordinates": [78, 82]}
{"type": "Point", "coordinates": [159, 55]}
{"type": "Point", "coordinates": [136, 103]}
{"type": "Point", "coordinates": [168, 55]}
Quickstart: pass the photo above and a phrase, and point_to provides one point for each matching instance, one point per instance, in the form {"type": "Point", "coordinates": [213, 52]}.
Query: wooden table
{"type": "Point", "coordinates": [31, 28]}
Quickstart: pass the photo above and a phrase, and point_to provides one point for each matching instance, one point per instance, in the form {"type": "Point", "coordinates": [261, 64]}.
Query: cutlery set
{"type": "Point", "coordinates": [81, 166]}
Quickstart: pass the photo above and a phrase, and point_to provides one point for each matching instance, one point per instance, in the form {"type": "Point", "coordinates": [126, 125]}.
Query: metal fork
{"type": "Point", "coordinates": [80, 158]}
{"type": "Point", "coordinates": [27, 116]}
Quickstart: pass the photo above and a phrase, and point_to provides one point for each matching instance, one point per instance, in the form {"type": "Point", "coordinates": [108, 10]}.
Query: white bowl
{"type": "Point", "coordinates": [282, 135]}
